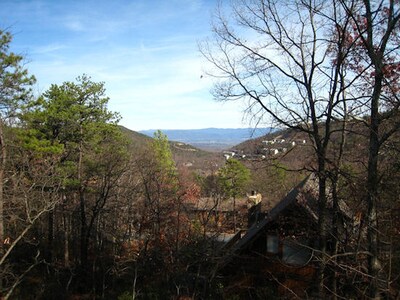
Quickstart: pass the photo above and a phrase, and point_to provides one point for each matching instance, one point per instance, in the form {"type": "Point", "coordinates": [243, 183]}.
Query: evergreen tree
{"type": "Point", "coordinates": [15, 89]}
{"type": "Point", "coordinates": [74, 116]}
{"type": "Point", "coordinates": [234, 177]}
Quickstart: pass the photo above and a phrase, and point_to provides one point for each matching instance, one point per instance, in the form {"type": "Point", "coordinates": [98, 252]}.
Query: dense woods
{"type": "Point", "coordinates": [313, 67]}
{"type": "Point", "coordinates": [90, 211]}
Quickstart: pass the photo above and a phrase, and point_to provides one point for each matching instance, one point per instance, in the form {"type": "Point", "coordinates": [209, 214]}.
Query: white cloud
{"type": "Point", "coordinates": [75, 25]}
{"type": "Point", "coordinates": [145, 52]}
{"type": "Point", "coordinates": [50, 48]}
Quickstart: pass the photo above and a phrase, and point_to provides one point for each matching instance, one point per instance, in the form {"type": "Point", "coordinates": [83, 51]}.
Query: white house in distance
{"type": "Point", "coordinates": [270, 148]}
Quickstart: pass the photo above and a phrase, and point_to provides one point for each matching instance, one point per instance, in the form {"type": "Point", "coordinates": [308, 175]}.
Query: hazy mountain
{"type": "Point", "coordinates": [183, 153]}
{"type": "Point", "coordinates": [212, 138]}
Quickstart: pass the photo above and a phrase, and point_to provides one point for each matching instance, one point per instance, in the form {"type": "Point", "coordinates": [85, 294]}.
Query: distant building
{"type": "Point", "coordinates": [273, 151]}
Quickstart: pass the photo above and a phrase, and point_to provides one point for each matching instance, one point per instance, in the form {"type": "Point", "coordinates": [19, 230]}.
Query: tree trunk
{"type": "Point", "coordinates": [335, 203]}
{"type": "Point", "coordinates": [2, 168]}
{"type": "Point", "coordinates": [372, 185]}
{"type": "Point", "coordinates": [82, 208]}
{"type": "Point", "coordinates": [373, 179]}
{"type": "Point", "coordinates": [3, 153]}
{"type": "Point", "coordinates": [83, 233]}
{"type": "Point", "coordinates": [66, 239]}
{"type": "Point", "coordinates": [50, 236]}
{"type": "Point", "coordinates": [322, 228]}
{"type": "Point", "coordinates": [335, 234]}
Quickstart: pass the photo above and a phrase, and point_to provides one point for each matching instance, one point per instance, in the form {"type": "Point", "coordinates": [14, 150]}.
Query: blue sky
{"type": "Point", "coordinates": [146, 52]}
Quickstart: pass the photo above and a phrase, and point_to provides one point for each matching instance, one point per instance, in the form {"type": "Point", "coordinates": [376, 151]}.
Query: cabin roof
{"type": "Point", "coordinates": [299, 194]}
{"type": "Point", "coordinates": [305, 194]}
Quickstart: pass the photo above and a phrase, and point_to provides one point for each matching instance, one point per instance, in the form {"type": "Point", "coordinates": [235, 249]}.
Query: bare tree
{"type": "Point", "coordinates": [375, 26]}
{"type": "Point", "coordinates": [14, 90]}
{"type": "Point", "coordinates": [30, 194]}
{"type": "Point", "coordinates": [288, 60]}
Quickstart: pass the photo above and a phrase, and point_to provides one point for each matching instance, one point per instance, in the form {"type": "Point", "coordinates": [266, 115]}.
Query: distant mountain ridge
{"type": "Point", "coordinates": [212, 138]}
{"type": "Point", "coordinates": [184, 155]}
